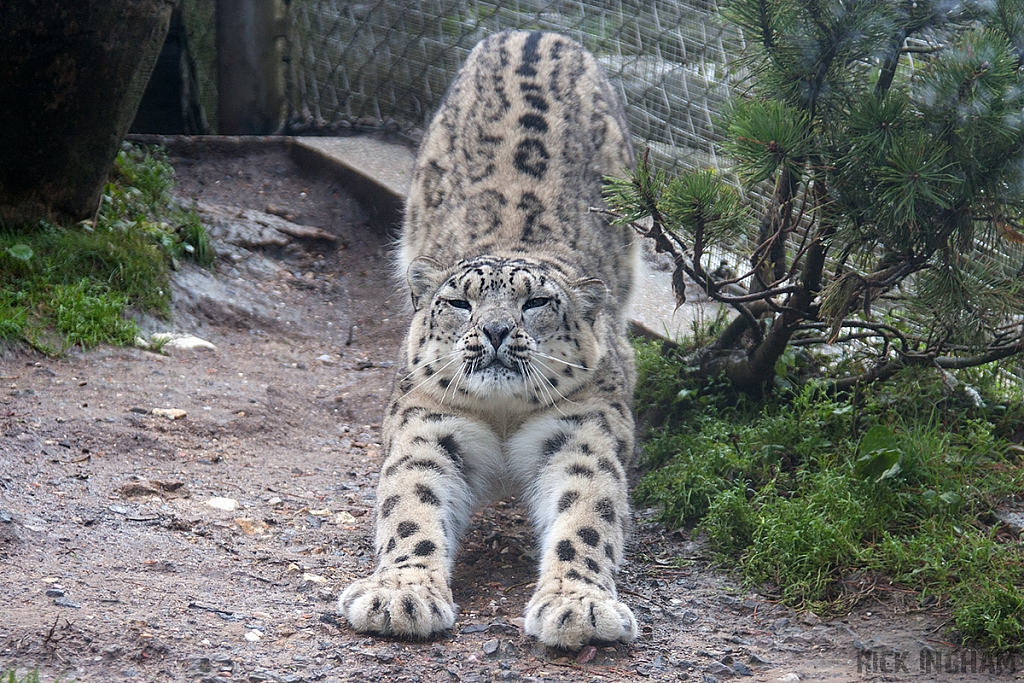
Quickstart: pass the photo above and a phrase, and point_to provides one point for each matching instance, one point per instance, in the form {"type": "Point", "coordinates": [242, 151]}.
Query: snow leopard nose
{"type": "Point", "coordinates": [496, 332]}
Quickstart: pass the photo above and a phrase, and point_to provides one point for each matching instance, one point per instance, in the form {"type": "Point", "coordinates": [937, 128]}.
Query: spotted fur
{"type": "Point", "coordinates": [516, 377]}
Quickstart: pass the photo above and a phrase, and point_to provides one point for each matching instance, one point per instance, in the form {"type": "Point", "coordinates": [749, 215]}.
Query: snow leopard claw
{"type": "Point", "coordinates": [393, 602]}
{"type": "Point", "coordinates": [571, 619]}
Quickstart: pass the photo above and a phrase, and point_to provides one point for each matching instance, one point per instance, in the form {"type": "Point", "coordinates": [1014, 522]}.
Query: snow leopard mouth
{"type": "Point", "coordinates": [497, 365]}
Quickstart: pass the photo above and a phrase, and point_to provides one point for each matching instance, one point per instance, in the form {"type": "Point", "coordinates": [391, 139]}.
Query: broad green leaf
{"type": "Point", "coordinates": [878, 438]}
{"type": "Point", "coordinates": [879, 455]}
{"type": "Point", "coordinates": [22, 252]}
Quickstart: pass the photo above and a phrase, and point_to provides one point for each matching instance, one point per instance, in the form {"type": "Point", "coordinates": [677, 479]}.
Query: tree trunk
{"type": "Point", "coordinates": [72, 77]}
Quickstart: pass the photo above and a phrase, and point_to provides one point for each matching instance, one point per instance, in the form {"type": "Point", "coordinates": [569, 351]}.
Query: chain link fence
{"type": "Point", "coordinates": [394, 59]}
{"type": "Point", "coordinates": [200, 64]}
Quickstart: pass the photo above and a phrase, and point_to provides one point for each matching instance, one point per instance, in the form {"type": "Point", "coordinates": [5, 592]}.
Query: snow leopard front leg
{"type": "Point", "coordinates": [578, 500]}
{"type": "Point", "coordinates": [426, 494]}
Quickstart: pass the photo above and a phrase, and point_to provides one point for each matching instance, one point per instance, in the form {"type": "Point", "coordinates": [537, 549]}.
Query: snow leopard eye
{"type": "Point", "coordinates": [459, 303]}
{"type": "Point", "coordinates": [537, 302]}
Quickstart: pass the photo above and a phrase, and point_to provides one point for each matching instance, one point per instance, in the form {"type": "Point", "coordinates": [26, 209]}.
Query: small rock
{"type": "Point", "coordinates": [64, 602]}
{"type": "Point", "coordinates": [112, 651]}
{"type": "Point", "coordinates": [586, 654]}
{"type": "Point", "coordinates": [252, 637]}
{"type": "Point", "coordinates": [861, 646]}
{"type": "Point", "coordinates": [810, 619]}
{"type": "Point", "coordinates": [259, 676]}
{"type": "Point", "coordinates": [788, 678]}
{"type": "Point", "coordinates": [169, 413]}
{"type": "Point", "coordinates": [329, 618]}
{"type": "Point", "coordinates": [475, 628]}
{"type": "Point", "coordinates": [719, 669]}
{"type": "Point", "coordinates": [344, 518]}
{"type": "Point", "coordinates": [742, 669]}
{"type": "Point", "coordinates": [490, 646]}
{"type": "Point", "coordinates": [202, 665]}
{"type": "Point", "coordinates": [139, 488]}
{"type": "Point", "coordinates": [327, 359]}
{"type": "Point", "coordinates": [169, 486]}
{"type": "Point", "coordinates": [229, 616]}
{"type": "Point", "coordinates": [226, 504]}
{"type": "Point", "coordinates": [251, 527]}
{"type": "Point", "coordinates": [181, 342]}
{"type": "Point", "coordinates": [55, 592]}
{"type": "Point", "coordinates": [758, 660]}
{"type": "Point", "coordinates": [313, 578]}
{"type": "Point", "coordinates": [689, 617]}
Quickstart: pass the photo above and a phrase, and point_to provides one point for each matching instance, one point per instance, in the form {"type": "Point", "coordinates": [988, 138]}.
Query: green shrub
{"type": "Point", "coordinates": [900, 480]}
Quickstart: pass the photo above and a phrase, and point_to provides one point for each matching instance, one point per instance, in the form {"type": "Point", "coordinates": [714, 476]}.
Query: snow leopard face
{"type": "Point", "coordinates": [506, 332]}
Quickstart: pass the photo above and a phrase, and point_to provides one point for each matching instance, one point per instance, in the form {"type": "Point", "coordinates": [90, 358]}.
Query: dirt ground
{"type": "Point", "coordinates": [137, 547]}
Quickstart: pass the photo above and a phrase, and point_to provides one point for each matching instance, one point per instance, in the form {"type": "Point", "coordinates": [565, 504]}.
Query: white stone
{"type": "Point", "coordinates": [227, 504]}
{"type": "Point", "coordinates": [313, 578]}
{"type": "Point", "coordinates": [169, 413]}
{"type": "Point", "coordinates": [173, 341]}
{"type": "Point", "coordinates": [344, 518]}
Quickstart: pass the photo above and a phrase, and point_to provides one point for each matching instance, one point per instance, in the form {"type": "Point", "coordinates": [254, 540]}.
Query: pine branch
{"type": "Point", "coordinates": [887, 369]}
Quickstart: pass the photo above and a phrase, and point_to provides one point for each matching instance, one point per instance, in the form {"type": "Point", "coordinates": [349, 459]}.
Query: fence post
{"type": "Point", "coordinates": [250, 69]}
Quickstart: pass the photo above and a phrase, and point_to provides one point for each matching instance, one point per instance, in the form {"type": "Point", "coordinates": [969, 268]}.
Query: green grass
{"type": "Point", "coordinates": [12, 677]}
{"type": "Point", "coordinates": [798, 491]}
{"type": "Point", "coordinates": [62, 286]}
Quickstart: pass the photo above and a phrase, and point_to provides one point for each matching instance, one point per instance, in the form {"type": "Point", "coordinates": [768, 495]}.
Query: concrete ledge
{"type": "Point", "coordinates": [377, 173]}
{"type": "Point", "coordinates": [216, 143]}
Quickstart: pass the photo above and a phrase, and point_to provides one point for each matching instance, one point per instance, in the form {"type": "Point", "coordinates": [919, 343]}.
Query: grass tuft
{"type": "Point", "coordinates": [62, 286]}
{"type": "Point", "coordinates": [12, 676]}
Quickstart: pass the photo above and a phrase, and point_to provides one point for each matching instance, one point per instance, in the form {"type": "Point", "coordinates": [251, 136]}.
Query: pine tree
{"type": "Point", "coordinates": [889, 140]}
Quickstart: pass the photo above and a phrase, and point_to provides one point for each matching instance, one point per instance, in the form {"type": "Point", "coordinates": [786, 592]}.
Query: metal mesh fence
{"type": "Point", "coordinates": [199, 18]}
{"type": "Point", "coordinates": [389, 59]}
{"type": "Point", "coordinates": [394, 59]}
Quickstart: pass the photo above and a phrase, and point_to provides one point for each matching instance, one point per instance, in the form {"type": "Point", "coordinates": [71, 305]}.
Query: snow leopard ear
{"type": "Point", "coordinates": [590, 295]}
{"type": "Point", "coordinates": [424, 277]}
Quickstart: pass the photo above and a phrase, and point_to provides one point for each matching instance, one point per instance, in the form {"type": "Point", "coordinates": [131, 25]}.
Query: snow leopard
{"type": "Point", "coordinates": [516, 377]}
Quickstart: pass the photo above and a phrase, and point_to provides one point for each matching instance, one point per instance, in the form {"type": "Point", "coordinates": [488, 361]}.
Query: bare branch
{"type": "Point", "coordinates": [889, 368]}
